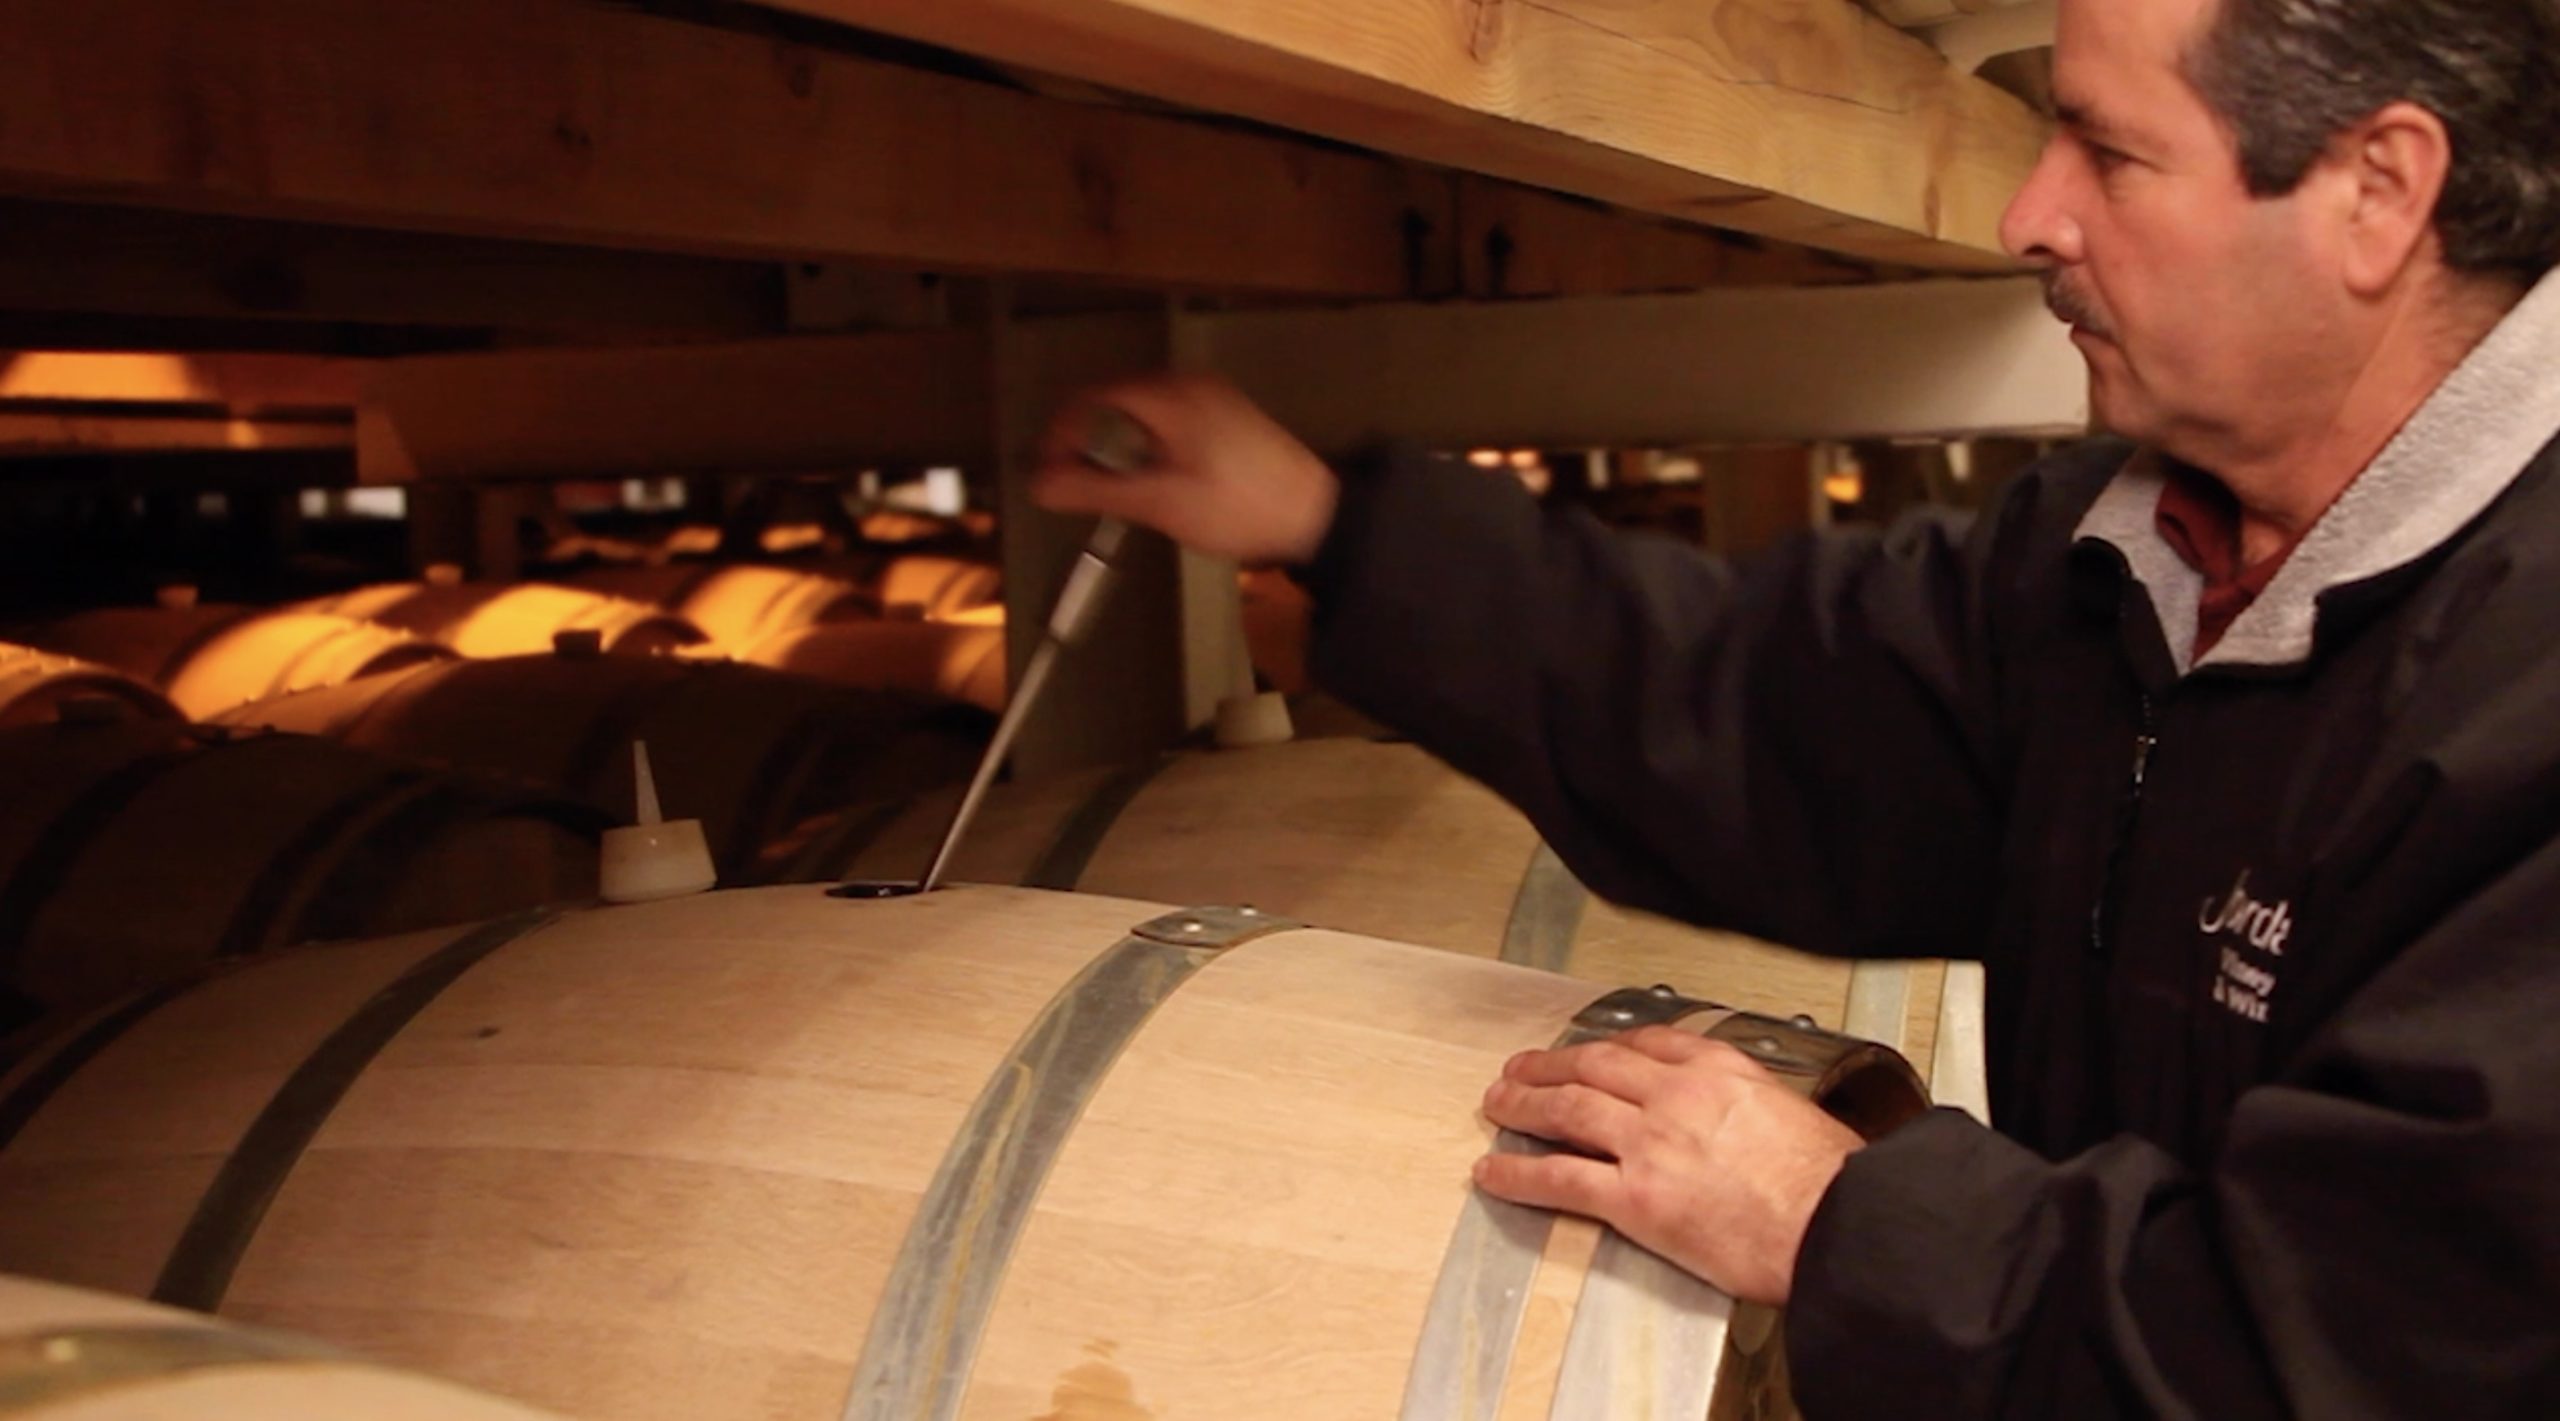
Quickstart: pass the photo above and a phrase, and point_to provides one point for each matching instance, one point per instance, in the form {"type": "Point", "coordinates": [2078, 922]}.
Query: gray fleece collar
{"type": "Point", "coordinates": [2465, 445]}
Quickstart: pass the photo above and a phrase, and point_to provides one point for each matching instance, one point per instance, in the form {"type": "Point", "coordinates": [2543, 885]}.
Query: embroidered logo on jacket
{"type": "Point", "coordinates": [2244, 986]}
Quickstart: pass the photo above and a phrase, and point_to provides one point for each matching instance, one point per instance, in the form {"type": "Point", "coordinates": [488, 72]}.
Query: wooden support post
{"type": "Point", "coordinates": [444, 526]}
{"type": "Point", "coordinates": [1216, 663]}
{"type": "Point", "coordinates": [496, 555]}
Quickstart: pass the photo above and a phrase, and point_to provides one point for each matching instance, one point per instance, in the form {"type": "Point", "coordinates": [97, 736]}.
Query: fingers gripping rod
{"type": "Point", "coordinates": [1115, 442]}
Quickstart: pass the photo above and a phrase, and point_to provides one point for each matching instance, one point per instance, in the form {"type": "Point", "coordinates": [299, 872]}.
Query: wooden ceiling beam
{"type": "Point", "coordinates": [98, 260]}
{"type": "Point", "coordinates": [553, 121]}
{"type": "Point", "coordinates": [1803, 120]}
{"type": "Point", "coordinates": [552, 168]}
{"type": "Point", "coordinates": [240, 384]}
{"type": "Point", "coordinates": [802, 403]}
{"type": "Point", "coordinates": [1935, 358]}
{"type": "Point", "coordinates": [49, 434]}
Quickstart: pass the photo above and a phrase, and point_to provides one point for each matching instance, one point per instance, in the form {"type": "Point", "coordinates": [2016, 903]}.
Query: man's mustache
{"type": "Point", "coordinates": [2073, 307]}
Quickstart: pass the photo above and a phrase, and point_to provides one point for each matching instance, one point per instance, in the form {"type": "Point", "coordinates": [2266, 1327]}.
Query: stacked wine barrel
{"type": "Point", "coordinates": [346, 778]}
{"type": "Point", "coordinates": [925, 624]}
{"type": "Point", "coordinates": [40, 687]}
{"type": "Point", "coordinates": [503, 619]}
{"type": "Point", "coordinates": [210, 659]}
{"type": "Point", "coordinates": [134, 854]}
{"type": "Point", "coordinates": [749, 752]}
{"type": "Point", "coordinates": [777, 1153]}
{"type": "Point", "coordinates": [800, 1151]}
{"type": "Point", "coordinates": [1363, 835]}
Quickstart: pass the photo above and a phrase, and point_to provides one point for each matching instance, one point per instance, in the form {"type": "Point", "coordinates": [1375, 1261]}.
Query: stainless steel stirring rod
{"type": "Point", "coordinates": [1116, 442]}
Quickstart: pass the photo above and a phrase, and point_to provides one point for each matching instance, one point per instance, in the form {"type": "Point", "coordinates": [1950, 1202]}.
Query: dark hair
{"type": "Point", "coordinates": [2290, 75]}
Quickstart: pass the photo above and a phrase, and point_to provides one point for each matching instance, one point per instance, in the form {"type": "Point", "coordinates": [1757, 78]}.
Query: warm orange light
{"type": "Point", "coordinates": [1527, 459]}
{"type": "Point", "coordinates": [791, 537]}
{"type": "Point", "coordinates": [84, 375]}
{"type": "Point", "coordinates": [693, 539]}
{"type": "Point", "coordinates": [1846, 485]}
{"type": "Point", "coordinates": [1486, 458]}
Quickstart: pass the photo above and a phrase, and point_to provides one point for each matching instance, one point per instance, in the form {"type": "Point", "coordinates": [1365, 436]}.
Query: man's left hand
{"type": "Point", "coordinates": [1689, 1148]}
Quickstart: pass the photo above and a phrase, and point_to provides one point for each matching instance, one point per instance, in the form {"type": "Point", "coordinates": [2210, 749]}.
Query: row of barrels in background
{"type": "Point", "coordinates": [527, 754]}
{"type": "Point", "coordinates": [947, 640]}
{"type": "Point", "coordinates": [659, 1161]}
{"type": "Point", "coordinates": [796, 780]}
{"type": "Point", "coordinates": [431, 771]}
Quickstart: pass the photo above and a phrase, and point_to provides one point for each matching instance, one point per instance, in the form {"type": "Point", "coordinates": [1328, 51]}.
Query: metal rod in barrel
{"type": "Point", "coordinates": [1116, 442]}
{"type": "Point", "coordinates": [1077, 602]}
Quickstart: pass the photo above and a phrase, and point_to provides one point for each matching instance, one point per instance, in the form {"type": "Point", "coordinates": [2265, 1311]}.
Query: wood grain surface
{"type": "Point", "coordinates": [1371, 838]}
{"type": "Point", "coordinates": [654, 1162]}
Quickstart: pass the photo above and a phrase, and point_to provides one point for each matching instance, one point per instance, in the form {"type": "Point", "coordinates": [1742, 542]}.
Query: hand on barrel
{"type": "Point", "coordinates": [1692, 1150]}
{"type": "Point", "coordinates": [1226, 480]}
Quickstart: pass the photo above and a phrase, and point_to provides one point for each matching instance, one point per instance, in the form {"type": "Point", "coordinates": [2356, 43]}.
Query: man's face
{"type": "Point", "coordinates": [2206, 316]}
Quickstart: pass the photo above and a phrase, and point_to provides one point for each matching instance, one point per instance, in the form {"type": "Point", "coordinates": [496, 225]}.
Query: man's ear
{"type": "Point", "coordinates": [2394, 166]}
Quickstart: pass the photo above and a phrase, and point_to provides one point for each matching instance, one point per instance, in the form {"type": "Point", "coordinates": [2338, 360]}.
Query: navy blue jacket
{"type": "Point", "coordinates": [2273, 942]}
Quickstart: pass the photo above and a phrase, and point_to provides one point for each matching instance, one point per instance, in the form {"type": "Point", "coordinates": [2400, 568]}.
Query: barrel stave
{"type": "Point", "coordinates": [729, 1116]}
{"type": "Point", "coordinates": [132, 854]}
{"type": "Point", "coordinates": [1375, 838]}
{"type": "Point", "coordinates": [129, 1143]}
{"type": "Point", "coordinates": [657, 1161]}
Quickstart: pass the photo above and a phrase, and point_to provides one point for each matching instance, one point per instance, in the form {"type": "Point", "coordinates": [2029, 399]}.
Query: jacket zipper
{"type": "Point", "coordinates": [2102, 914]}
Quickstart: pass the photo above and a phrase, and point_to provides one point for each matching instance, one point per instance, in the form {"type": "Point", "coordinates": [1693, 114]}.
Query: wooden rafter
{"type": "Point", "coordinates": [1914, 359]}
{"type": "Point", "coordinates": [1805, 120]}
{"type": "Point", "coordinates": [45, 435]}
{"type": "Point", "coordinates": [241, 384]}
{"type": "Point", "coordinates": [75, 258]}
{"type": "Point", "coordinates": [554, 121]}
{"type": "Point", "coordinates": [549, 120]}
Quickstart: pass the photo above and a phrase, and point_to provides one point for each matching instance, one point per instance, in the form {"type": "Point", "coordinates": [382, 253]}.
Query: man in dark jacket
{"type": "Point", "coordinates": [2233, 748]}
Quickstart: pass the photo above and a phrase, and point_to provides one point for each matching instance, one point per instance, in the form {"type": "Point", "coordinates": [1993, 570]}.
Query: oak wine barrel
{"type": "Point", "coordinates": [1372, 837]}
{"type": "Point", "coordinates": [937, 585]}
{"type": "Point", "coordinates": [987, 1154]}
{"type": "Point", "coordinates": [209, 659]}
{"type": "Point", "coordinates": [36, 685]}
{"type": "Point", "coordinates": [488, 619]}
{"type": "Point", "coordinates": [748, 751]}
{"type": "Point", "coordinates": [71, 1355]}
{"type": "Point", "coordinates": [737, 605]}
{"type": "Point", "coordinates": [131, 854]}
{"type": "Point", "coordinates": [955, 660]}
{"type": "Point", "coordinates": [895, 526]}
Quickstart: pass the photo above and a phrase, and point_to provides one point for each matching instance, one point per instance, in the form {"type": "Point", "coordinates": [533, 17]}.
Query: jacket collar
{"type": "Point", "coordinates": [2462, 449]}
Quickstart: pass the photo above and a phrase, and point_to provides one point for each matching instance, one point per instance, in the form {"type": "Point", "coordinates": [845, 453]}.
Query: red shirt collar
{"type": "Point", "coordinates": [2200, 521]}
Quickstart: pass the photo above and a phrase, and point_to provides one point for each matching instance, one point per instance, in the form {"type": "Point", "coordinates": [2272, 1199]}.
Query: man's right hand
{"type": "Point", "coordinates": [1226, 481]}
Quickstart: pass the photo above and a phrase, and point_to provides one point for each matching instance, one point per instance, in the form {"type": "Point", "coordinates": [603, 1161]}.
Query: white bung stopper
{"type": "Point", "coordinates": [1261, 718]}
{"type": "Point", "coordinates": [655, 857]}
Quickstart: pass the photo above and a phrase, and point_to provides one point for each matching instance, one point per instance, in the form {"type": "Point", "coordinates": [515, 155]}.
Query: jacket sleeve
{"type": "Point", "coordinates": [1797, 746]}
{"type": "Point", "coordinates": [2376, 1237]}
